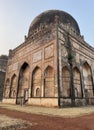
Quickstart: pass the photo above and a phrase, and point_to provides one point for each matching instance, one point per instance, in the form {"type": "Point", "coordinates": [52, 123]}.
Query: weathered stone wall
{"type": "Point", "coordinates": [75, 52]}
{"type": "Point", "coordinates": [3, 62]}
{"type": "Point", "coordinates": [39, 56]}
{"type": "Point", "coordinates": [2, 81]}
{"type": "Point", "coordinates": [3, 66]}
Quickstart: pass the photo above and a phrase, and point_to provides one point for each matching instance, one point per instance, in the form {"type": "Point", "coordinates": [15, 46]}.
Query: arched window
{"type": "Point", "coordinates": [87, 80]}
{"type": "Point", "coordinates": [66, 82]}
{"type": "Point", "coordinates": [49, 82]}
{"type": "Point", "coordinates": [36, 82]}
{"type": "Point", "coordinates": [77, 82]}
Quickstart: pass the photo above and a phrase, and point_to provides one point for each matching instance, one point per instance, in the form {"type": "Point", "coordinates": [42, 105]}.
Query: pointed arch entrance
{"type": "Point", "coordinates": [23, 84]}
{"type": "Point", "coordinates": [87, 80]}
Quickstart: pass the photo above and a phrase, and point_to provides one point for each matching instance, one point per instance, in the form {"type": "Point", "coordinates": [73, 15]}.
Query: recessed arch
{"type": "Point", "coordinates": [38, 92]}
{"type": "Point", "coordinates": [7, 81]}
{"type": "Point", "coordinates": [35, 68]}
{"type": "Point", "coordinates": [87, 80]}
{"type": "Point", "coordinates": [25, 63]}
{"type": "Point", "coordinates": [36, 82]}
{"type": "Point", "coordinates": [13, 88]}
{"type": "Point", "coordinates": [49, 82]}
{"type": "Point", "coordinates": [77, 82]}
{"type": "Point", "coordinates": [66, 82]}
{"type": "Point", "coordinates": [46, 66]}
{"type": "Point", "coordinates": [23, 82]}
{"type": "Point", "coordinates": [7, 88]}
{"type": "Point", "coordinates": [86, 63]}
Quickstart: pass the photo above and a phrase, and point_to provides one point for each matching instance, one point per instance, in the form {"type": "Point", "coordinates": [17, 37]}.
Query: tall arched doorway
{"type": "Point", "coordinates": [49, 82]}
{"type": "Point", "coordinates": [13, 88]}
{"type": "Point", "coordinates": [77, 82]}
{"type": "Point", "coordinates": [66, 82]}
{"type": "Point", "coordinates": [87, 79]}
{"type": "Point", "coordinates": [23, 84]}
{"type": "Point", "coordinates": [36, 82]}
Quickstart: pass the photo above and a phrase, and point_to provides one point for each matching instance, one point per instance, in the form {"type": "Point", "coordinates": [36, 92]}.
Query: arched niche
{"type": "Point", "coordinates": [87, 80]}
{"type": "Point", "coordinates": [13, 88]}
{"type": "Point", "coordinates": [36, 82]}
{"type": "Point", "coordinates": [7, 88]}
{"type": "Point", "coordinates": [77, 82]}
{"type": "Point", "coordinates": [65, 82]}
{"type": "Point", "coordinates": [49, 82]}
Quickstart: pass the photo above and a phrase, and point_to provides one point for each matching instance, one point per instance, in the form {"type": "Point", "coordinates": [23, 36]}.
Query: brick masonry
{"type": "Point", "coordinates": [54, 65]}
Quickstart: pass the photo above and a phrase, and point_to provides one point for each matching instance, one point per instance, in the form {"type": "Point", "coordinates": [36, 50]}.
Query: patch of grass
{"type": "Point", "coordinates": [64, 112]}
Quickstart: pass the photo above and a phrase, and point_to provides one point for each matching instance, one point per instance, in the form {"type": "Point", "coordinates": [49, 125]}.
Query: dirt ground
{"type": "Point", "coordinates": [44, 122]}
{"type": "Point", "coordinates": [8, 123]}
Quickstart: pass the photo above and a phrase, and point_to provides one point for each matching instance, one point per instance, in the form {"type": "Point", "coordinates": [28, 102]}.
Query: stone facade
{"type": "Point", "coordinates": [3, 65]}
{"type": "Point", "coordinates": [53, 67]}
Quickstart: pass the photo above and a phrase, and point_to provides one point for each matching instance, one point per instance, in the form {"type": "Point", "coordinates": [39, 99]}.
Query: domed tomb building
{"type": "Point", "coordinates": [53, 67]}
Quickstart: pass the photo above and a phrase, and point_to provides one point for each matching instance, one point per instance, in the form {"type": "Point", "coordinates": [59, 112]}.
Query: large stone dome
{"type": "Point", "coordinates": [48, 17]}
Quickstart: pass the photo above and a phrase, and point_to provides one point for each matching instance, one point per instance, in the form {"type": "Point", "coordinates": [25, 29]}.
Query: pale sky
{"type": "Point", "coordinates": [17, 15]}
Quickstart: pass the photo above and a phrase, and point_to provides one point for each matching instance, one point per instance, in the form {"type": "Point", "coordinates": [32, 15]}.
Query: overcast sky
{"type": "Point", "coordinates": [17, 15]}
